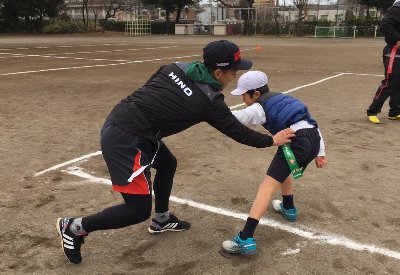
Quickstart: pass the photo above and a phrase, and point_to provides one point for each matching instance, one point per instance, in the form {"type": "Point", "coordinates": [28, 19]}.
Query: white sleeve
{"type": "Point", "coordinates": [321, 145]}
{"type": "Point", "coordinates": [252, 115]}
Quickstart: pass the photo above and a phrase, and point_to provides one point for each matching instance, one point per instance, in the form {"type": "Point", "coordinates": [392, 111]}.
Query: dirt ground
{"type": "Point", "coordinates": [52, 110]}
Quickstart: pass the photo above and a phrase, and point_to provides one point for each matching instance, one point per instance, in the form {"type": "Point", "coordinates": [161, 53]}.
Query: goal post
{"type": "Point", "coordinates": [335, 32]}
{"type": "Point", "coordinates": [138, 27]}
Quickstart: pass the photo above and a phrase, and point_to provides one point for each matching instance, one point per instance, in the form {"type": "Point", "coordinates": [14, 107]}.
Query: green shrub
{"type": "Point", "coordinates": [159, 27]}
{"type": "Point", "coordinates": [64, 27]}
{"type": "Point", "coordinates": [115, 26]}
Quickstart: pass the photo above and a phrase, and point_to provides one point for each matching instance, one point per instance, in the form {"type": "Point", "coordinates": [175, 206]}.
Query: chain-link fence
{"type": "Point", "coordinates": [344, 21]}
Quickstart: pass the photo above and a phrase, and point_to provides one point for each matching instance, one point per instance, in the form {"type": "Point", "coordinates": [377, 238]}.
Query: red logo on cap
{"type": "Point", "coordinates": [237, 56]}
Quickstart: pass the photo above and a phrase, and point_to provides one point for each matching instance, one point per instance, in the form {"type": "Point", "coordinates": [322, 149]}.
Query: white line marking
{"type": "Point", "coordinates": [104, 65]}
{"type": "Point", "coordinates": [304, 232]}
{"type": "Point", "coordinates": [298, 88]}
{"type": "Point", "coordinates": [72, 161]}
{"type": "Point", "coordinates": [110, 51]}
{"type": "Point", "coordinates": [77, 171]}
{"type": "Point", "coordinates": [313, 83]}
{"type": "Point", "coordinates": [291, 251]}
{"type": "Point", "coordinates": [378, 75]}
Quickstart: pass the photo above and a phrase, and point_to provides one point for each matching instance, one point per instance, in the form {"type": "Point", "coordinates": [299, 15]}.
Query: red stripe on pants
{"type": "Point", "coordinates": [139, 185]}
{"type": "Point", "coordinates": [389, 69]}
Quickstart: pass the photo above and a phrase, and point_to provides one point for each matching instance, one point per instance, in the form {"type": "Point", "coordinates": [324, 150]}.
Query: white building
{"type": "Point", "coordinates": [332, 13]}
{"type": "Point", "coordinates": [75, 11]}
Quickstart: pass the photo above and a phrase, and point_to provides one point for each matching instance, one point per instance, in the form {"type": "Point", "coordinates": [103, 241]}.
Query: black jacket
{"type": "Point", "coordinates": [390, 27]}
{"type": "Point", "coordinates": [170, 102]}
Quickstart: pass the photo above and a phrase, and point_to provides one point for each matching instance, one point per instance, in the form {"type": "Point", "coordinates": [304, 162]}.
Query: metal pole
{"type": "Point", "coordinates": [217, 14]}
{"type": "Point", "coordinates": [284, 9]}
{"type": "Point", "coordinates": [357, 10]}
{"type": "Point", "coordinates": [255, 31]}
{"type": "Point", "coordinates": [209, 2]}
{"type": "Point", "coordinates": [337, 11]}
{"type": "Point", "coordinates": [248, 20]}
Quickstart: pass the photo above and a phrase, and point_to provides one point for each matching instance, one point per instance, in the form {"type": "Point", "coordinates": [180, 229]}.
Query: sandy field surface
{"type": "Point", "coordinates": [56, 91]}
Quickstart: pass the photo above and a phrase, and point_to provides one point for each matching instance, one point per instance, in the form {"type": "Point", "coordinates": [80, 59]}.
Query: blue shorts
{"type": "Point", "coordinates": [305, 147]}
{"type": "Point", "coordinates": [128, 158]}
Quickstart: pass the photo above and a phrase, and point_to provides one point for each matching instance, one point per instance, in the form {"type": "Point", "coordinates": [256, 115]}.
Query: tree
{"type": "Point", "coordinates": [180, 4]}
{"type": "Point", "coordinates": [13, 10]}
{"type": "Point", "coordinates": [48, 8]}
{"type": "Point", "coordinates": [168, 5]}
{"type": "Point", "coordinates": [130, 6]}
{"type": "Point", "coordinates": [96, 8]}
{"type": "Point", "coordinates": [9, 14]}
{"type": "Point", "coordinates": [381, 5]}
{"type": "Point", "coordinates": [85, 12]}
{"type": "Point", "coordinates": [112, 6]}
{"type": "Point", "coordinates": [302, 6]}
{"type": "Point", "coordinates": [277, 18]}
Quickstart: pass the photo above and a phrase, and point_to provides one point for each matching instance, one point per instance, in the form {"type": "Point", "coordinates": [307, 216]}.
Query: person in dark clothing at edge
{"type": "Point", "coordinates": [390, 86]}
{"type": "Point", "coordinates": [176, 97]}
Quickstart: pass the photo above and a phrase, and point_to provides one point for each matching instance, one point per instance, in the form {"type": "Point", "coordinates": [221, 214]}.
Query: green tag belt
{"type": "Point", "coordinates": [291, 161]}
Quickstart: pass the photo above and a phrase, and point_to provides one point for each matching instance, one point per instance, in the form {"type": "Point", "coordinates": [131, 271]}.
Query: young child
{"type": "Point", "coordinates": [275, 111]}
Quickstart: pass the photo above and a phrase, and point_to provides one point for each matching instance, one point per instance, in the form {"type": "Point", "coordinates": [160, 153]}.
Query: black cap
{"type": "Point", "coordinates": [223, 54]}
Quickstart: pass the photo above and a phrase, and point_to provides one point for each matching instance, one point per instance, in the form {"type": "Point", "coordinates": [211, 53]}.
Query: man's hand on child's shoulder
{"type": "Point", "coordinates": [283, 137]}
{"type": "Point", "coordinates": [321, 161]}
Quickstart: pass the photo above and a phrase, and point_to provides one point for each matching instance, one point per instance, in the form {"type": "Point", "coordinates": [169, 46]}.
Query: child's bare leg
{"type": "Point", "coordinates": [265, 191]}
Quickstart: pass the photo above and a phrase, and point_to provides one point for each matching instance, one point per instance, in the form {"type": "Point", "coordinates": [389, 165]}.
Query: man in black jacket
{"type": "Point", "coordinates": [176, 97]}
{"type": "Point", "coordinates": [390, 86]}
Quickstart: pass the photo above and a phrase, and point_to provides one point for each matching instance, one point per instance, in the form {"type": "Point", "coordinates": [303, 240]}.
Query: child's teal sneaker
{"type": "Point", "coordinates": [239, 246]}
{"type": "Point", "coordinates": [289, 214]}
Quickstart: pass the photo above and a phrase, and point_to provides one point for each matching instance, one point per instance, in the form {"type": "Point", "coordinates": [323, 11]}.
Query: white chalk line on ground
{"type": "Point", "coordinates": [105, 65]}
{"type": "Point", "coordinates": [66, 46]}
{"type": "Point", "coordinates": [314, 83]}
{"type": "Point", "coordinates": [99, 65]}
{"type": "Point", "coordinates": [72, 161]}
{"type": "Point", "coordinates": [358, 74]}
{"type": "Point", "coordinates": [304, 232]}
{"type": "Point", "coordinates": [62, 57]}
{"type": "Point", "coordinates": [57, 55]}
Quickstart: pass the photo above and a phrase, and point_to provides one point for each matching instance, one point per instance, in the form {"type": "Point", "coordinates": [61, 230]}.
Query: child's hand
{"type": "Point", "coordinates": [321, 161]}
